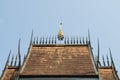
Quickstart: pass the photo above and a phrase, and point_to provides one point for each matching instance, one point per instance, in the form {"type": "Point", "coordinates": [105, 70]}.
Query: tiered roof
{"type": "Point", "coordinates": [71, 57]}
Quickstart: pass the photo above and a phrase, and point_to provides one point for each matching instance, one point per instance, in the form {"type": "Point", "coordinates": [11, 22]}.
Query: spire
{"type": "Point", "coordinates": [19, 56]}
{"type": "Point", "coordinates": [7, 62]}
{"type": "Point", "coordinates": [60, 33]}
{"type": "Point", "coordinates": [98, 54]}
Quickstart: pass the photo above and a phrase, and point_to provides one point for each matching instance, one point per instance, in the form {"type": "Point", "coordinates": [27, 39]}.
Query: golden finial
{"type": "Point", "coordinates": [60, 33]}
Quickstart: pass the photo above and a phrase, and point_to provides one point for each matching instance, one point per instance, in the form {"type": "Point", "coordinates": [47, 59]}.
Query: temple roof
{"type": "Point", "coordinates": [59, 60]}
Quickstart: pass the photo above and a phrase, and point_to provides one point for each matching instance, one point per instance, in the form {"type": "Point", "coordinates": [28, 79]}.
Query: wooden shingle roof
{"type": "Point", "coordinates": [8, 72]}
{"type": "Point", "coordinates": [59, 60]}
{"type": "Point", "coordinates": [107, 73]}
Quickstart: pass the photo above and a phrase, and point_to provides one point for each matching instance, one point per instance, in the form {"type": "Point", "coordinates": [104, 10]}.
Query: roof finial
{"type": "Point", "coordinates": [98, 53]}
{"type": "Point", "coordinates": [19, 55]}
{"type": "Point", "coordinates": [60, 33]}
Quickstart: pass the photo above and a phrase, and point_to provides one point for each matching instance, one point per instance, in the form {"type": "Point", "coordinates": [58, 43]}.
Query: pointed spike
{"type": "Point", "coordinates": [71, 39]}
{"type": "Point", "coordinates": [65, 40]}
{"type": "Point", "coordinates": [83, 40]}
{"type": "Point", "coordinates": [86, 40]}
{"type": "Point", "coordinates": [98, 54]}
{"type": "Point", "coordinates": [68, 40]}
{"type": "Point", "coordinates": [107, 60]}
{"type": "Point", "coordinates": [43, 41]}
{"type": "Point", "coordinates": [74, 39]}
{"type": "Point", "coordinates": [40, 40]}
{"type": "Point", "coordinates": [112, 62]}
{"type": "Point", "coordinates": [19, 55]}
{"type": "Point", "coordinates": [80, 40]}
{"type": "Point", "coordinates": [103, 60]}
{"type": "Point", "coordinates": [12, 60]}
{"type": "Point", "coordinates": [31, 40]}
{"type": "Point", "coordinates": [34, 41]}
{"type": "Point", "coordinates": [77, 40]}
{"type": "Point", "coordinates": [55, 40]}
{"type": "Point", "coordinates": [15, 61]}
{"type": "Point", "coordinates": [46, 40]}
{"type": "Point", "coordinates": [100, 63]}
{"type": "Point", "coordinates": [7, 62]}
{"type": "Point", "coordinates": [89, 37]}
{"type": "Point", "coordinates": [37, 41]}
{"type": "Point", "coordinates": [49, 40]}
{"type": "Point", "coordinates": [52, 40]}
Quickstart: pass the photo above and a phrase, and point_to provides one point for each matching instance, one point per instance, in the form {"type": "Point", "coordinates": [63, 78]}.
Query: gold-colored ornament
{"type": "Point", "coordinates": [60, 33]}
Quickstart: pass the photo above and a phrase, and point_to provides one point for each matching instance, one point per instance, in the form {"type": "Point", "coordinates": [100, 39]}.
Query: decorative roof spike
{"type": "Point", "coordinates": [77, 40]}
{"type": "Point", "coordinates": [37, 41]}
{"type": "Point", "coordinates": [65, 40]}
{"type": "Point", "coordinates": [80, 40]}
{"type": "Point", "coordinates": [86, 40]}
{"type": "Point", "coordinates": [52, 39]}
{"type": "Point", "coordinates": [15, 61]}
{"type": "Point", "coordinates": [83, 40]}
{"type": "Point", "coordinates": [71, 39]}
{"type": "Point", "coordinates": [43, 41]}
{"type": "Point", "coordinates": [49, 39]}
{"type": "Point", "coordinates": [112, 62]}
{"type": "Point", "coordinates": [60, 33]}
{"type": "Point", "coordinates": [7, 62]}
{"type": "Point", "coordinates": [74, 40]}
{"type": "Point", "coordinates": [103, 60]}
{"type": "Point", "coordinates": [46, 40]}
{"type": "Point", "coordinates": [12, 60]}
{"type": "Point", "coordinates": [68, 40]}
{"type": "Point", "coordinates": [55, 40]}
{"type": "Point", "coordinates": [89, 40]}
{"type": "Point", "coordinates": [107, 60]}
{"type": "Point", "coordinates": [98, 54]}
{"type": "Point", "coordinates": [40, 40]}
{"type": "Point", "coordinates": [31, 40]}
{"type": "Point", "coordinates": [34, 41]}
{"type": "Point", "coordinates": [19, 55]}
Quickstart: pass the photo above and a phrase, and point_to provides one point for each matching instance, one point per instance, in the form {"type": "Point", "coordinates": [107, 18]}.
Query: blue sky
{"type": "Point", "coordinates": [19, 17]}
